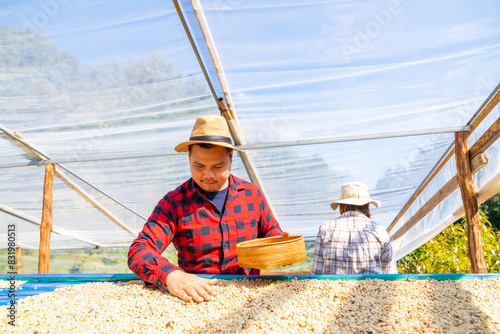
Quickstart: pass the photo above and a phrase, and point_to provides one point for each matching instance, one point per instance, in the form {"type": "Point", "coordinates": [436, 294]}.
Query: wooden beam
{"type": "Point", "coordinates": [487, 139]}
{"type": "Point", "coordinates": [245, 158]}
{"type": "Point", "coordinates": [214, 55]}
{"type": "Point", "coordinates": [483, 111]}
{"type": "Point", "coordinates": [421, 188]}
{"type": "Point", "coordinates": [478, 160]}
{"type": "Point", "coordinates": [469, 198]}
{"type": "Point", "coordinates": [18, 244]}
{"type": "Point", "coordinates": [475, 165]}
{"type": "Point", "coordinates": [487, 191]}
{"type": "Point", "coordinates": [19, 268]}
{"type": "Point", "coordinates": [46, 225]}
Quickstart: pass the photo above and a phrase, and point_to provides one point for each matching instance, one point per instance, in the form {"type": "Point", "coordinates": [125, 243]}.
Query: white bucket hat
{"type": "Point", "coordinates": [354, 193]}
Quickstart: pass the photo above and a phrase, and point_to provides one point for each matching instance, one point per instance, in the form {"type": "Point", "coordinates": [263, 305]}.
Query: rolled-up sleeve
{"type": "Point", "coordinates": [144, 256]}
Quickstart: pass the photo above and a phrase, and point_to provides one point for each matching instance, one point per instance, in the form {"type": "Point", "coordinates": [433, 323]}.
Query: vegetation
{"type": "Point", "coordinates": [80, 261]}
{"type": "Point", "coordinates": [491, 209]}
{"type": "Point", "coordinates": [448, 251]}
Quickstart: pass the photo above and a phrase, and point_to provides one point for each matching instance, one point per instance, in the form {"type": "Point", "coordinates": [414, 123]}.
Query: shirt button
{"type": "Point", "coordinates": [226, 244]}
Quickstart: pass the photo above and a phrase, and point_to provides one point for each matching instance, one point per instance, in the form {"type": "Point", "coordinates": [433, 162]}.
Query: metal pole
{"type": "Point", "coordinates": [228, 113]}
{"type": "Point", "coordinates": [56, 229]}
{"type": "Point", "coordinates": [44, 156]}
{"type": "Point", "coordinates": [314, 141]}
{"type": "Point", "coordinates": [386, 135]}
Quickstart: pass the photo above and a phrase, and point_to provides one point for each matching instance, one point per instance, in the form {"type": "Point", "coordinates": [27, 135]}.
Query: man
{"type": "Point", "coordinates": [352, 243]}
{"type": "Point", "coordinates": [205, 218]}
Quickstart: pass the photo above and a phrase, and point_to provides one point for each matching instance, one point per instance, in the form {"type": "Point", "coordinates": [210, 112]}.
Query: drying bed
{"type": "Point", "coordinates": [259, 304]}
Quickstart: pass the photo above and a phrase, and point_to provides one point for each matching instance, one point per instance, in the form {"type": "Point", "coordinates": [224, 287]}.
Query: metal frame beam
{"type": "Point", "coordinates": [56, 229]}
{"type": "Point", "coordinates": [228, 111]}
{"type": "Point", "coordinates": [43, 156]}
{"type": "Point", "coordinates": [315, 141]}
{"type": "Point", "coordinates": [453, 184]}
{"type": "Point", "coordinates": [483, 111]}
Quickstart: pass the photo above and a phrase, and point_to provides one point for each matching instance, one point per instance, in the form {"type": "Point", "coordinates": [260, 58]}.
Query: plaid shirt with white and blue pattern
{"type": "Point", "coordinates": [352, 244]}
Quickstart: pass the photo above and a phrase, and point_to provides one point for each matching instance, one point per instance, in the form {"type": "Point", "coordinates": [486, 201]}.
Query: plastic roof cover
{"type": "Point", "coordinates": [106, 78]}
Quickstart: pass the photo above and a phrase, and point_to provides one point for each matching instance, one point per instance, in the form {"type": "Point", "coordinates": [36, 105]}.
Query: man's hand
{"type": "Point", "coordinates": [190, 287]}
{"type": "Point", "coordinates": [286, 234]}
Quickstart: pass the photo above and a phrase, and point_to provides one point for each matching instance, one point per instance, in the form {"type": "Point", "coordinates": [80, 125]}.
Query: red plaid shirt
{"type": "Point", "coordinates": [205, 239]}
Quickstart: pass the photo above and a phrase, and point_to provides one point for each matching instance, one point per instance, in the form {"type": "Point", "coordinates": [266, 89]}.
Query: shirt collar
{"type": "Point", "coordinates": [353, 214]}
{"type": "Point", "coordinates": [233, 187]}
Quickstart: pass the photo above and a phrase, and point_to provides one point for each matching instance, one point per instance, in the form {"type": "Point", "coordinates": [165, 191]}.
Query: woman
{"type": "Point", "coordinates": [352, 243]}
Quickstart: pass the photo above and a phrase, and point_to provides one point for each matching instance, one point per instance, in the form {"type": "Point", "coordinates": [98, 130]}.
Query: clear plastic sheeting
{"type": "Point", "coordinates": [12, 153]}
{"type": "Point", "coordinates": [330, 69]}
{"type": "Point", "coordinates": [313, 175]}
{"type": "Point", "coordinates": [22, 189]}
{"type": "Point", "coordinates": [112, 121]}
{"type": "Point", "coordinates": [86, 79]}
{"type": "Point", "coordinates": [85, 84]}
{"type": "Point", "coordinates": [450, 209]}
{"type": "Point", "coordinates": [110, 87]}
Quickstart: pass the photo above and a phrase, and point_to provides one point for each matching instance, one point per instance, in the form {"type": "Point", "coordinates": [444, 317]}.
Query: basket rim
{"type": "Point", "coordinates": [263, 242]}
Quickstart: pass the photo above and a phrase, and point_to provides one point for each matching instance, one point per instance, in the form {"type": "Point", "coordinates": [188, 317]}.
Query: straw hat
{"type": "Point", "coordinates": [354, 193]}
{"type": "Point", "coordinates": [209, 129]}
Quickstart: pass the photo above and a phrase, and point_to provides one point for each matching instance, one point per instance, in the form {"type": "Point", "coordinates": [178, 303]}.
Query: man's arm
{"type": "Point", "coordinates": [387, 259]}
{"type": "Point", "coordinates": [145, 260]}
{"type": "Point", "coordinates": [144, 256]}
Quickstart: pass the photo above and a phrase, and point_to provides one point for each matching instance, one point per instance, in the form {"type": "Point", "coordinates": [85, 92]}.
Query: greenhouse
{"type": "Point", "coordinates": [402, 96]}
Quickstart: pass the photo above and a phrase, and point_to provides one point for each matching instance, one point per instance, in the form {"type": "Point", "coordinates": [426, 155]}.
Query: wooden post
{"type": "Point", "coordinates": [19, 268]}
{"type": "Point", "coordinates": [469, 198]}
{"type": "Point", "coordinates": [46, 225]}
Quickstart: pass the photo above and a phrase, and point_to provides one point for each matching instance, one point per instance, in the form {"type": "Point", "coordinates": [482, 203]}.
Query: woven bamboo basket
{"type": "Point", "coordinates": [268, 253]}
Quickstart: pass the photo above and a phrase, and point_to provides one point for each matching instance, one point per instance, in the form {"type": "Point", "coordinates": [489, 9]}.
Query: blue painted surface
{"type": "Point", "coordinates": [33, 288]}
{"type": "Point", "coordinates": [37, 284]}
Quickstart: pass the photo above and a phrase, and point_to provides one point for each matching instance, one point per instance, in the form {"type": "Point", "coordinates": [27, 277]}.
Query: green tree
{"type": "Point", "coordinates": [77, 267]}
{"type": "Point", "coordinates": [491, 209]}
